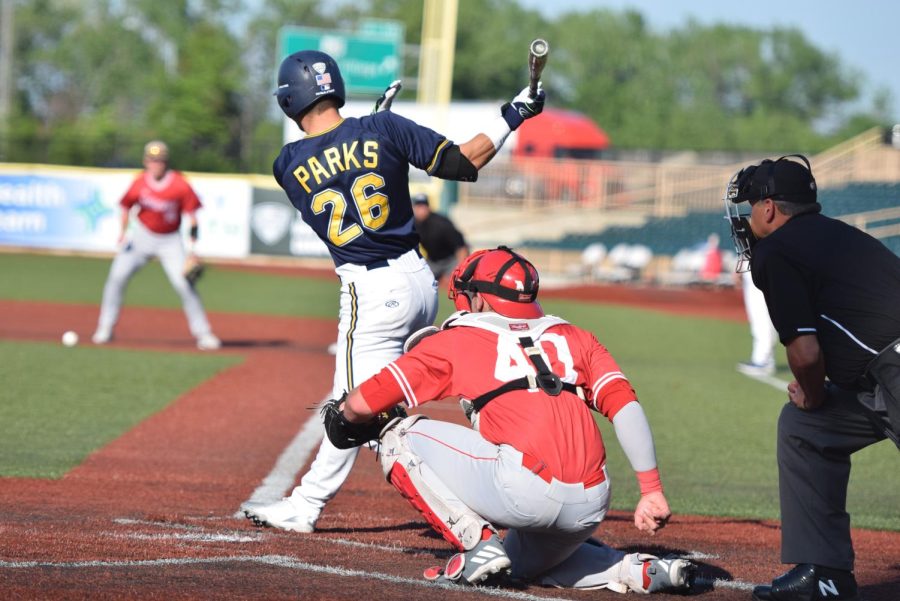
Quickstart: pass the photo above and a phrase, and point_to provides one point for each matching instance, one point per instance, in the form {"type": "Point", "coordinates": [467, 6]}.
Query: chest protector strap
{"type": "Point", "coordinates": [545, 379]}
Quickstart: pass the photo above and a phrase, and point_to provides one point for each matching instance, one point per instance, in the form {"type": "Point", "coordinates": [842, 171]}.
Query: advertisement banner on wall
{"type": "Point", "coordinates": [276, 228]}
{"type": "Point", "coordinates": [223, 220]}
{"type": "Point", "coordinates": [79, 210]}
{"type": "Point", "coordinates": [60, 210]}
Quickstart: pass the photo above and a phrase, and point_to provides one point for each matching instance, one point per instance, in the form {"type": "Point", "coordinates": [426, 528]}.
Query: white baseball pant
{"type": "Point", "coordinates": [549, 523]}
{"type": "Point", "coordinates": [379, 310]}
{"type": "Point", "coordinates": [144, 245]}
{"type": "Point", "coordinates": [761, 329]}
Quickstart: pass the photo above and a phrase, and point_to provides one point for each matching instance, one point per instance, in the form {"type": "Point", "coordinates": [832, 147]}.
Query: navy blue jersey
{"type": "Point", "coordinates": [351, 184]}
{"type": "Point", "coordinates": [824, 277]}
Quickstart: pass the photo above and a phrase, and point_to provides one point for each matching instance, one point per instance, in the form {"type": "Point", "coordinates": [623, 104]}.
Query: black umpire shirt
{"type": "Point", "coordinates": [821, 276]}
{"type": "Point", "coordinates": [439, 237]}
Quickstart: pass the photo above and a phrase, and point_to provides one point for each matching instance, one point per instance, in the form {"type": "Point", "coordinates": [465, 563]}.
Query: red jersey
{"type": "Point", "coordinates": [480, 352]}
{"type": "Point", "coordinates": [161, 201]}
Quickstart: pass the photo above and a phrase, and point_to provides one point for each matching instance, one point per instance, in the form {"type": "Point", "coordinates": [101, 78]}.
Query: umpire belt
{"type": "Point", "coordinates": [540, 469]}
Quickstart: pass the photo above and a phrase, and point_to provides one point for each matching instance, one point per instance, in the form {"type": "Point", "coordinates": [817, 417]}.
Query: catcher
{"type": "Point", "coordinates": [534, 460]}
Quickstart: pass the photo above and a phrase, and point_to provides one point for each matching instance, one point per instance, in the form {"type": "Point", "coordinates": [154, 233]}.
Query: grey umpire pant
{"type": "Point", "coordinates": [814, 449]}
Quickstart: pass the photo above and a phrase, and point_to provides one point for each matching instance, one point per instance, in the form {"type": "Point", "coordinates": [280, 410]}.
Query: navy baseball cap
{"type": "Point", "coordinates": [781, 179]}
{"type": "Point", "coordinates": [419, 199]}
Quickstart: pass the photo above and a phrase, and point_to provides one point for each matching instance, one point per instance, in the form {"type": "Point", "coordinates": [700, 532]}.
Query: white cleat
{"type": "Point", "coordinates": [102, 336]}
{"type": "Point", "coordinates": [282, 514]}
{"type": "Point", "coordinates": [208, 342]}
{"type": "Point", "coordinates": [487, 559]}
{"type": "Point", "coordinates": [650, 574]}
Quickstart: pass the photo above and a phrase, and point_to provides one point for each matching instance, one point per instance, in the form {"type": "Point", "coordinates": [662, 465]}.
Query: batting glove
{"type": "Point", "coordinates": [387, 99]}
{"type": "Point", "coordinates": [523, 107]}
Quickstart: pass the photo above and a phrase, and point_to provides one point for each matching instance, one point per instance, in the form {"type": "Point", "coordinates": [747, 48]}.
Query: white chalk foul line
{"type": "Point", "coordinates": [281, 478]}
{"type": "Point", "coordinates": [278, 561]}
{"type": "Point", "coordinates": [720, 583]}
{"type": "Point", "coordinates": [289, 562]}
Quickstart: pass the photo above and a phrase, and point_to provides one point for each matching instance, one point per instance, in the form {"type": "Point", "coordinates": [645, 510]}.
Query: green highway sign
{"type": "Point", "coordinates": [369, 60]}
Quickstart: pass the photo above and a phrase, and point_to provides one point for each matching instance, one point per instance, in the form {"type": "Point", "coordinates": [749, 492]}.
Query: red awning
{"type": "Point", "coordinates": [555, 129]}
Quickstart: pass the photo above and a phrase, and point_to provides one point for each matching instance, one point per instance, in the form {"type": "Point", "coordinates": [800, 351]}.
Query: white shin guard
{"type": "Point", "coordinates": [458, 524]}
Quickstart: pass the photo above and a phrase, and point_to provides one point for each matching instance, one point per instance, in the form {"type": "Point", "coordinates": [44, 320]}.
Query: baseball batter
{"type": "Point", "coordinates": [349, 179]}
{"type": "Point", "coordinates": [162, 196]}
{"type": "Point", "coordinates": [535, 462]}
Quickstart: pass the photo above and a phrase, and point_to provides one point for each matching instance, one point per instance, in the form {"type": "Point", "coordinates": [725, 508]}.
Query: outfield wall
{"type": "Point", "coordinates": [76, 209]}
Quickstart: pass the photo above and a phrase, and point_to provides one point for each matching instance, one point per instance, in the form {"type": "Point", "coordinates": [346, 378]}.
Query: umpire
{"type": "Point", "coordinates": [444, 245]}
{"type": "Point", "coordinates": [833, 293]}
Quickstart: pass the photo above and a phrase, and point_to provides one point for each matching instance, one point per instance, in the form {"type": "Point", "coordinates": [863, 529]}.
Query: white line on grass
{"type": "Point", "coordinates": [771, 381]}
{"type": "Point", "coordinates": [278, 561]}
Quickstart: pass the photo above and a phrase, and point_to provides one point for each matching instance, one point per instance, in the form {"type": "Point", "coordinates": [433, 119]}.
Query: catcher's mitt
{"type": "Point", "coordinates": [345, 434]}
{"type": "Point", "coordinates": [193, 269]}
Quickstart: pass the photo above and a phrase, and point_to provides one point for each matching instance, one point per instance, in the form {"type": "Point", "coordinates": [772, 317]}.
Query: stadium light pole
{"type": "Point", "coordinates": [436, 56]}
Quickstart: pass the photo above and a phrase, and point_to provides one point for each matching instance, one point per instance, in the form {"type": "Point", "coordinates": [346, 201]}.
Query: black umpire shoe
{"type": "Point", "coordinates": [808, 582]}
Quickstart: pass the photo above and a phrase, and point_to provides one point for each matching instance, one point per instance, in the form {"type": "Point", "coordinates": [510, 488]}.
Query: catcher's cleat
{"type": "Point", "coordinates": [650, 574]}
{"type": "Point", "coordinates": [283, 514]}
{"type": "Point", "coordinates": [475, 566]}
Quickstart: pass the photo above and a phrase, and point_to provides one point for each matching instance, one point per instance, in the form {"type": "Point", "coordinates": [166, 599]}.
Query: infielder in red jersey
{"type": "Point", "coordinates": [162, 196]}
{"type": "Point", "coordinates": [534, 461]}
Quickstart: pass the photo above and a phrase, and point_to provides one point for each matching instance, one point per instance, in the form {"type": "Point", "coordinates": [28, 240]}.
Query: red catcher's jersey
{"type": "Point", "coordinates": [469, 361]}
{"type": "Point", "coordinates": [161, 201]}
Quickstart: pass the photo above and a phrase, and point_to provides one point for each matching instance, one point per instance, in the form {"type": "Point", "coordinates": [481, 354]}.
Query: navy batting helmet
{"type": "Point", "coordinates": [305, 78]}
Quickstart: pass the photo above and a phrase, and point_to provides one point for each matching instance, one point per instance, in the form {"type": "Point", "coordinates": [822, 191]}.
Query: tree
{"type": "Point", "coordinates": [95, 79]}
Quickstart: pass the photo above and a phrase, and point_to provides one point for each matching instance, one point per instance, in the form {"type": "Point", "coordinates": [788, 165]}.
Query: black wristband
{"type": "Point", "coordinates": [194, 230]}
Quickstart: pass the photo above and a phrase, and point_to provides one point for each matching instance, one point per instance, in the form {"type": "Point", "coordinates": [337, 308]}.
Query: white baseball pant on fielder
{"type": "Point", "coordinates": [761, 329]}
{"type": "Point", "coordinates": [144, 245]}
{"type": "Point", "coordinates": [380, 308]}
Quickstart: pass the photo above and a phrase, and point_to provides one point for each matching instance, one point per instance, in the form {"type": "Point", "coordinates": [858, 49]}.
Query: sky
{"type": "Point", "coordinates": [865, 37]}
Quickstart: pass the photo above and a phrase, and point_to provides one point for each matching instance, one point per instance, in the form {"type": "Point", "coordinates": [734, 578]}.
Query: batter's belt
{"type": "Point", "coordinates": [540, 469]}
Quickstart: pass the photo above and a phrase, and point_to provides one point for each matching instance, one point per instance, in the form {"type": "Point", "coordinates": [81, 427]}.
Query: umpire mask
{"type": "Point", "coordinates": [738, 215]}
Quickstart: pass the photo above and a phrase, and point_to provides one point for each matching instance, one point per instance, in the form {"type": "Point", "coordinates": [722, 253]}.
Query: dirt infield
{"type": "Point", "coordinates": [152, 515]}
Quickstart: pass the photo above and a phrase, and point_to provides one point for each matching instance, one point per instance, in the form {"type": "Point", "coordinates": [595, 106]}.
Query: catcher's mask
{"type": "Point", "coordinates": [305, 78]}
{"type": "Point", "coordinates": [508, 281]}
{"type": "Point", "coordinates": [781, 179]}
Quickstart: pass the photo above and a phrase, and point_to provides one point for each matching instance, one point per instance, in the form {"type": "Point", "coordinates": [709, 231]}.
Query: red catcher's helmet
{"type": "Point", "coordinates": [508, 282]}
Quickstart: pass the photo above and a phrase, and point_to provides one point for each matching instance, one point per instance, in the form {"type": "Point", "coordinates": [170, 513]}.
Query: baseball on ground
{"type": "Point", "coordinates": [70, 338]}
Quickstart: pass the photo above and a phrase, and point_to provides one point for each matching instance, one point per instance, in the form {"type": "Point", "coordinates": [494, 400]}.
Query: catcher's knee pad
{"type": "Point", "coordinates": [393, 441]}
{"type": "Point", "coordinates": [459, 525]}
{"type": "Point", "coordinates": [461, 528]}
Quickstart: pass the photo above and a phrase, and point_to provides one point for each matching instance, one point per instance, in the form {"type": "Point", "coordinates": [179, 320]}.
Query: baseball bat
{"type": "Point", "coordinates": [537, 60]}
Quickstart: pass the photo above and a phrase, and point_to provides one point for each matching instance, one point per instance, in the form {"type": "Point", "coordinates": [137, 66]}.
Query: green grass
{"type": "Point", "coordinates": [80, 280]}
{"type": "Point", "coordinates": [714, 428]}
{"type": "Point", "coordinates": [60, 404]}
